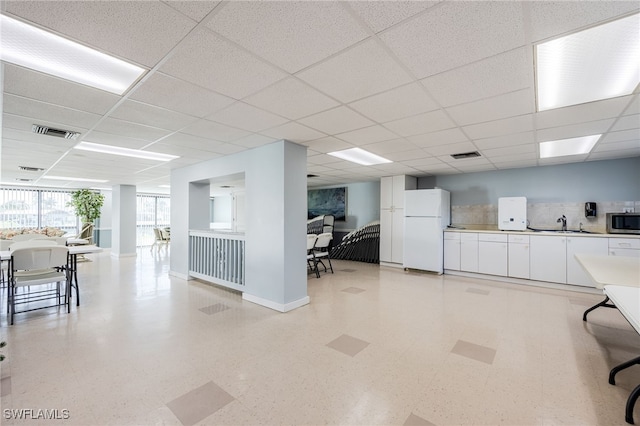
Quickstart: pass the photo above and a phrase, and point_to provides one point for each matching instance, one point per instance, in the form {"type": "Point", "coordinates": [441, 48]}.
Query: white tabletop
{"type": "Point", "coordinates": [611, 270]}
{"type": "Point", "coordinates": [84, 249]}
{"type": "Point", "coordinates": [627, 300]}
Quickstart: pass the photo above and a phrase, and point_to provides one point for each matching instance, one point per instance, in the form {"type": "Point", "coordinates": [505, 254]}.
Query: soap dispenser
{"type": "Point", "coordinates": [590, 209]}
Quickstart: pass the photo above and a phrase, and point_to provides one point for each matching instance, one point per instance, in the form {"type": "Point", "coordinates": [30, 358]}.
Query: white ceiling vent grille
{"type": "Point", "coordinates": [44, 130]}
{"type": "Point", "coordinates": [30, 169]}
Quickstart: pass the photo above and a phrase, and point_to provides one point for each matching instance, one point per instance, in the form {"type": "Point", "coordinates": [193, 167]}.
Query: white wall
{"type": "Point", "coordinates": [275, 207]}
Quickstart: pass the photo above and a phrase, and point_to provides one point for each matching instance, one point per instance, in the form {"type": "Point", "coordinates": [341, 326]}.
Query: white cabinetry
{"type": "Point", "coordinates": [624, 247]}
{"type": "Point", "coordinates": [548, 259]}
{"type": "Point", "coordinates": [583, 245]}
{"type": "Point", "coordinates": [452, 251]}
{"type": "Point", "coordinates": [492, 254]}
{"type": "Point", "coordinates": [392, 216]}
{"type": "Point", "coordinates": [518, 256]}
{"type": "Point", "coordinates": [469, 252]}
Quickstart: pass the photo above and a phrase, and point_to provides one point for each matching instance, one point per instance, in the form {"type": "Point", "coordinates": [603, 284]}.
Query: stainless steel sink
{"type": "Point", "coordinates": [558, 231]}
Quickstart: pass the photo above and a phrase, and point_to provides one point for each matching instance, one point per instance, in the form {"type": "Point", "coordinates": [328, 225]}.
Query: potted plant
{"type": "Point", "coordinates": [87, 206]}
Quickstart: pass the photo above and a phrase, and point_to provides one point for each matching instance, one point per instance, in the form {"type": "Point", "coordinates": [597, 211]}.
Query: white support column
{"type": "Point", "coordinates": [124, 221]}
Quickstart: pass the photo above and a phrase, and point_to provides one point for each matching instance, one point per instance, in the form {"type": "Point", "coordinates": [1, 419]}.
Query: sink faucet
{"type": "Point", "coordinates": [563, 219]}
{"type": "Point", "coordinates": [580, 227]}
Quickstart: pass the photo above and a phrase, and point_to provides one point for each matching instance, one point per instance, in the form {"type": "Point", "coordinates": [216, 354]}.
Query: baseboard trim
{"type": "Point", "coordinates": [179, 275]}
{"type": "Point", "coordinates": [280, 307]}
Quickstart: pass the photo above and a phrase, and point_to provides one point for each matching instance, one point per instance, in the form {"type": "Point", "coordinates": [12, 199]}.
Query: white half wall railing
{"type": "Point", "coordinates": [217, 257]}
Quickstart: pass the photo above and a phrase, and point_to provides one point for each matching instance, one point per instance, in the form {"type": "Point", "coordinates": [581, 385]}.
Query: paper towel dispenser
{"type": "Point", "coordinates": [589, 209]}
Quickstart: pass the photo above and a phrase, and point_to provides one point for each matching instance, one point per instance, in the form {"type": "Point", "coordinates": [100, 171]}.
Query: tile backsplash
{"type": "Point", "coordinates": [541, 215]}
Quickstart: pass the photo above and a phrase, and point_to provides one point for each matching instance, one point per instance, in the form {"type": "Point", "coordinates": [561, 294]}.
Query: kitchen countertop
{"type": "Point", "coordinates": [530, 232]}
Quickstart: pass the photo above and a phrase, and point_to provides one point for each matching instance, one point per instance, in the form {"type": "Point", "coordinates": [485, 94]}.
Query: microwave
{"type": "Point", "coordinates": [623, 223]}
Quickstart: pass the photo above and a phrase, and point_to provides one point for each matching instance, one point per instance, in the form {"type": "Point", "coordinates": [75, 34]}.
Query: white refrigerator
{"type": "Point", "coordinates": [427, 213]}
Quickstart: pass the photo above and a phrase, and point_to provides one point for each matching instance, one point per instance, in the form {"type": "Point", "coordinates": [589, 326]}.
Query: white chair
{"type": "Point", "coordinates": [31, 243]}
{"type": "Point", "coordinates": [311, 259]}
{"type": "Point", "coordinates": [161, 237]}
{"type": "Point", "coordinates": [321, 250]}
{"type": "Point", "coordinates": [38, 266]}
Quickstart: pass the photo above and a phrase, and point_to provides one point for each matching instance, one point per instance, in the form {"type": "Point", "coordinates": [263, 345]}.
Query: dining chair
{"type": "Point", "coordinates": [311, 259]}
{"type": "Point", "coordinates": [38, 266]}
{"type": "Point", "coordinates": [161, 237]}
{"type": "Point", "coordinates": [321, 250]}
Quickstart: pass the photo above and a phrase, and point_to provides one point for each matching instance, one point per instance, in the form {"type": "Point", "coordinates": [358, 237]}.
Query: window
{"type": "Point", "coordinates": [152, 211]}
{"type": "Point", "coordinates": [33, 208]}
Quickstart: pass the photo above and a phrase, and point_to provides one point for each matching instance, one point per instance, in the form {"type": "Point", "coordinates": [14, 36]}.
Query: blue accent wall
{"type": "Point", "coordinates": [607, 180]}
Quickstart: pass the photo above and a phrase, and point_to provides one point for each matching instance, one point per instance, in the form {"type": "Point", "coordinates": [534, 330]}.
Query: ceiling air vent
{"type": "Point", "coordinates": [312, 176]}
{"type": "Point", "coordinates": [24, 180]}
{"type": "Point", "coordinates": [31, 169]}
{"type": "Point", "coordinates": [44, 130]}
{"type": "Point", "coordinates": [466, 155]}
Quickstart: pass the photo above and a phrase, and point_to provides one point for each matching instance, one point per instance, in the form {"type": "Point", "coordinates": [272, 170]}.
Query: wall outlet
{"type": "Point", "coordinates": [627, 210]}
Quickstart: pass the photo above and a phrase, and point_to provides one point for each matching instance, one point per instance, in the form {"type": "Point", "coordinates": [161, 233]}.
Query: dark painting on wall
{"type": "Point", "coordinates": [327, 201]}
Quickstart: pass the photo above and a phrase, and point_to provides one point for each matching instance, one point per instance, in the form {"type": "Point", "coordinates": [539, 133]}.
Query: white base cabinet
{"type": "Point", "coordinates": [548, 259]}
{"type": "Point", "coordinates": [452, 251]}
{"type": "Point", "coordinates": [576, 274]}
{"type": "Point", "coordinates": [492, 254]}
{"type": "Point", "coordinates": [518, 256]}
{"type": "Point", "coordinates": [469, 252]}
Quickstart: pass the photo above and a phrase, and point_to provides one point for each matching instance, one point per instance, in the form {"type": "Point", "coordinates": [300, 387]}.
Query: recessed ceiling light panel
{"type": "Point", "coordinates": [573, 146]}
{"type": "Point", "coordinates": [598, 63]}
{"type": "Point", "coordinates": [360, 156]}
{"type": "Point", "coordinates": [126, 152]}
{"type": "Point", "coordinates": [33, 48]}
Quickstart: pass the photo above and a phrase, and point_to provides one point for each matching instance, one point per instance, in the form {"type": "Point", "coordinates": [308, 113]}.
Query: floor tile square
{"type": "Point", "coordinates": [348, 345]}
{"type": "Point", "coordinates": [473, 351]}
{"type": "Point", "coordinates": [214, 309]}
{"type": "Point", "coordinates": [354, 290]}
{"type": "Point", "coordinates": [200, 403]}
{"type": "Point", "coordinates": [478, 291]}
{"type": "Point", "coordinates": [414, 420]}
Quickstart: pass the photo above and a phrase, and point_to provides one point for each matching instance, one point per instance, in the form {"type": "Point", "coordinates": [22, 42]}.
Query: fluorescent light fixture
{"type": "Point", "coordinates": [75, 179]}
{"type": "Point", "coordinates": [573, 146]}
{"type": "Point", "coordinates": [33, 48]}
{"type": "Point", "coordinates": [598, 63]}
{"type": "Point", "coordinates": [360, 156]}
{"type": "Point", "coordinates": [116, 150]}
{"type": "Point", "coordinates": [164, 186]}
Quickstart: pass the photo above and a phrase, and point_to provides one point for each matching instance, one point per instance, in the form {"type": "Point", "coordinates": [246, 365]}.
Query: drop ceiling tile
{"type": "Point", "coordinates": [150, 115]}
{"type": "Point", "coordinates": [496, 75]}
{"type": "Point", "coordinates": [140, 31]}
{"type": "Point", "coordinates": [562, 160]}
{"type": "Point", "coordinates": [207, 60]}
{"type": "Point", "coordinates": [254, 141]}
{"type": "Point", "coordinates": [623, 135]}
{"type": "Point", "coordinates": [182, 151]}
{"type": "Point", "coordinates": [211, 130]}
{"type": "Point", "coordinates": [193, 142]}
{"type": "Point", "coordinates": [550, 18]}
{"type": "Point", "coordinates": [454, 148]}
{"type": "Point", "coordinates": [247, 117]}
{"type": "Point", "coordinates": [422, 162]}
{"type": "Point", "coordinates": [291, 34]}
{"type": "Point", "coordinates": [583, 113]}
{"type": "Point", "coordinates": [421, 123]}
{"type": "Point", "coordinates": [402, 156]}
{"type": "Point", "coordinates": [323, 160]}
{"type": "Point", "coordinates": [363, 70]}
{"type": "Point", "coordinates": [114, 139]}
{"type": "Point", "coordinates": [386, 147]}
{"type": "Point", "coordinates": [627, 122]}
{"type": "Point", "coordinates": [380, 15]}
{"type": "Point", "coordinates": [502, 127]}
{"type": "Point", "coordinates": [475, 168]}
{"type": "Point", "coordinates": [503, 106]}
{"type": "Point", "coordinates": [573, 131]}
{"type": "Point", "coordinates": [291, 98]}
{"type": "Point", "coordinates": [195, 10]}
{"type": "Point", "coordinates": [441, 137]}
{"type": "Point", "coordinates": [46, 88]}
{"type": "Point", "coordinates": [337, 120]}
{"type": "Point", "coordinates": [505, 141]}
{"type": "Point", "coordinates": [529, 148]}
{"type": "Point", "coordinates": [293, 132]}
{"type": "Point", "coordinates": [610, 155]}
{"type": "Point", "coordinates": [438, 169]}
{"type": "Point", "coordinates": [391, 169]}
{"type": "Point", "coordinates": [367, 135]}
{"type": "Point", "coordinates": [394, 104]}
{"type": "Point", "coordinates": [49, 147]}
{"type": "Point", "coordinates": [38, 111]}
{"type": "Point", "coordinates": [328, 144]}
{"type": "Point", "coordinates": [430, 44]}
{"type": "Point", "coordinates": [617, 146]}
{"type": "Point", "coordinates": [515, 164]}
{"type": "Point", "coordinates": [521, 157]}
{"type": "Point", "coordinates": [171, 93]}
{"type": "Point", "coordinates": [131, 130]}
{"type": "Point", "coordinates": [634, 106]}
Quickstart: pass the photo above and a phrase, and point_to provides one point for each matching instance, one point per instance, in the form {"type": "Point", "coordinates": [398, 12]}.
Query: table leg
{"type": "Point", "coordinates": [603, 304]}
{"type": "Point", "coordinates": [631, 401]}
{"type": "Point", "coordinates": [624, 365]}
